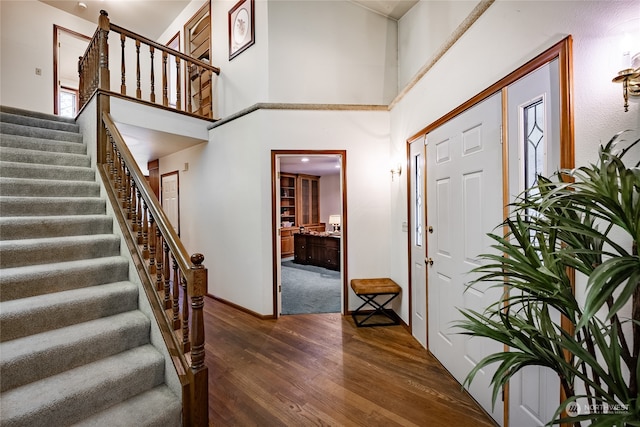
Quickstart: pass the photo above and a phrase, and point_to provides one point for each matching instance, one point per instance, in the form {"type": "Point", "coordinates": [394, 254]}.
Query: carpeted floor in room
{"type": "Point", "coordinates": [309, 289]}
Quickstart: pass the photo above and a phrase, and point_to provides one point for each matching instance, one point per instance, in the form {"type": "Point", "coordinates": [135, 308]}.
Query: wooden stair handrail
{"type": "Point", "coordinates": [188, 272]}
{"type": "Point", "coordinates": [156, 45]}
{"type": "Point", "coordinates": [94, 72]}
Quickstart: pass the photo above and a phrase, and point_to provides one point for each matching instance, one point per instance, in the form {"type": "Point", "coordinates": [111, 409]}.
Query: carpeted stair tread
{"type": "Point", "coordinates": [31, 227]}
{"type": "Point", "coordinates": [35, 170]}
{"type": "Point", "coordinates": [36, 114]}
{"type": "Point", "coordinates": [30, 206]}
{"type": "Point", "coordinates": [75, 347]}
{"type": "Point", "coordinates": [30, 143]}
{"type": "Point", "coordinates": [158, 407]}
{"type": "Point", "coordinates": [24, 155]}
{"type": "Point", "coordinates": [34, 315]}
{"type": "Point", "coordinates": [69, 347]}
{"type": "Point", "coordinates": [36, 132]}
{"type": "Point", "coordinates": [38, 122]}
{"type": "Point", "coordinates": [18, 253]}
{"type": "Point", "coordinates": [74, 395]}
{"type": "Point", "coordinates": [31, 280]}
{"type": "Point", "coordinates": [47, 188]}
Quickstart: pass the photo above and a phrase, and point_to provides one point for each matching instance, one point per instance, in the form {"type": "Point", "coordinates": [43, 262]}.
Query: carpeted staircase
{"type": "Point", "coordinates": [74, 347]}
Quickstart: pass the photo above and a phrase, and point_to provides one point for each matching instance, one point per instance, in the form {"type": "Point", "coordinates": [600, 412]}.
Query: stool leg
{"type": "Point", "coordinates": [369, 299]}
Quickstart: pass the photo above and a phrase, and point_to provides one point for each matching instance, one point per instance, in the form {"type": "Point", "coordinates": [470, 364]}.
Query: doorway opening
{"type": "Point", "coordinates": [68, 46]}
{"type": "Point", "coordinates": [309, 231]}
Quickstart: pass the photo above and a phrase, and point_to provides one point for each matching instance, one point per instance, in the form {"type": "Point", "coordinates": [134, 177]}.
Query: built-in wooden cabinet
{"type": "Point", "coordinates": [288, 200]}
{"type": "Point", "coordinates": [321, 251]}
{"type": "Point", "coordinates": [309, 199]}
{"type": "Point", "coordinates": [299, 207]}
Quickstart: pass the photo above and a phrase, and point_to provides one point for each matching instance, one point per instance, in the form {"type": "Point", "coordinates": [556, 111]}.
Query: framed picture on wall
{"type": "Point", "coordinates": [241, 27]}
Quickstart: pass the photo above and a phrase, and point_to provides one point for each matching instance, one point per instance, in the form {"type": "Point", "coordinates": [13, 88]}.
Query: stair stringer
{"type": "Point", "coordinates": [88, 128]}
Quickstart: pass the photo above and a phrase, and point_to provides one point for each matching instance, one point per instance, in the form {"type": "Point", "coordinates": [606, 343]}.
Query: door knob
{"type": "Point", "coordinates": [430, 229]}
{"type": "Point", "coordinates": [428, 261]}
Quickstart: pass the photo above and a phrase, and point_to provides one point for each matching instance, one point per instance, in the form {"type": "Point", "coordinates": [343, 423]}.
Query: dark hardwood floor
{"type": "Point", "coordinates": [322, 370]}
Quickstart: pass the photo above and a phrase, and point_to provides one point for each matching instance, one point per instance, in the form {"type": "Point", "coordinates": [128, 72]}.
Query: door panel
{"type": "Point", "coordinates": [418, 242]}
{"type": "Point", "coordinates": [534, 147]}
{"type": "Point", "coordinates": [464, 188]}
{"type": "Point", "coordinates": [170, 199]}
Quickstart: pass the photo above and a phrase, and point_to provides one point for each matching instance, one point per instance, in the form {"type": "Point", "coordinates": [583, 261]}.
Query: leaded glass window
{"type": "Point", "coordinates": [534, 142]}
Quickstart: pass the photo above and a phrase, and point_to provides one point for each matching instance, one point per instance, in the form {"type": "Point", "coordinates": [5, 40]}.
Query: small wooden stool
{"type": "Point", "coordinates": [368, 290]}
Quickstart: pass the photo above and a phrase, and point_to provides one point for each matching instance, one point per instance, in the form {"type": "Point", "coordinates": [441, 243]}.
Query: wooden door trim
{"type": "Point", "coordinates": [563, 51]}
{"type": "Point", "coordinates": [275, 239]}
{"type": "Point", "coordinates": [56, 29]}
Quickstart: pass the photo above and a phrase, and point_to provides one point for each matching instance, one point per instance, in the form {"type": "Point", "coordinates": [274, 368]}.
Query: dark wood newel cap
{"type": "Point", "coordinates": [197, 259]}
{"type": "Point", "coordinates": [103, 12]}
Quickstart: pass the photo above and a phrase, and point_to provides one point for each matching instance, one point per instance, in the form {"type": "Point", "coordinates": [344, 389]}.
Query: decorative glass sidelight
{"type": "Point", "coordinates": [534, 142]}
{"type": "Point", "coordinates": [418, 214]}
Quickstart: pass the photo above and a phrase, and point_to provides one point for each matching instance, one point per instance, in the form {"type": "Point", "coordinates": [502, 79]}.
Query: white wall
{"type": "Point", "coordinates": [26, 32]}
{"type": "Point", "coordinates": [330, 200]}
{"type": "Point", "coordinates": [424, 30]}
{"type": "Point", "coordinates": [505, 37]}
{"type": "Point", "coordinates": [330, 52]}
{"type": "Point", "coordinates": [226, 211]}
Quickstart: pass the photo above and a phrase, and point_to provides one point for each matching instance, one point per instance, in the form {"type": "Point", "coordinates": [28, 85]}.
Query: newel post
{"type": "Point", "coordinates": [104, 105]}
{"type": "Point", "coordinates": [200, 390]}
{"type": "Point", "coordinates": [103, 49]}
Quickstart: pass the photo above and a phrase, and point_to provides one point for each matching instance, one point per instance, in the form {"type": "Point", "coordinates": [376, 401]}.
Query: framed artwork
{"type": "Point", "coordinates": [241, 28]}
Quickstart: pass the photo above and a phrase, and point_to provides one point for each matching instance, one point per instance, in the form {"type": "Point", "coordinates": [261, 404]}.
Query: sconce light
{"type": "Point", "coordinates": [630, 75]}
{"type": "Point", "coordinates": [334, 220]}
{"type": "Point", "coordinates": [396, 171]}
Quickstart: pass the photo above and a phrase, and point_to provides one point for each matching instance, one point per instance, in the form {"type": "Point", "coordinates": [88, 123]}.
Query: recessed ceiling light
{"type": "Point", "coordinates": [304, 159]}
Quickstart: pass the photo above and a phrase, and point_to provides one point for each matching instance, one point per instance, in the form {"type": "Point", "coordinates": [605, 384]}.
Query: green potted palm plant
{"type": "Point", "coordinates": [580, 222]}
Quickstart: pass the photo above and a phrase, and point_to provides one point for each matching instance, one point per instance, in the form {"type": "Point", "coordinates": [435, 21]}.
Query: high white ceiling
{"type": "Point", "coordinates": [151, 17]}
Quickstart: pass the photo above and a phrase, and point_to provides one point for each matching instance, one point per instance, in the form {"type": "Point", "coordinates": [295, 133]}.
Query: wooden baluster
{"type": "Point", "coordinates": [153, 93]}
{"type": "Point", "coordinates": [123, 78]}
{"type": "Point", "coordinates": [139, 216]}
{"type": "Point", "coordinates": [81, 94]}
{"type": "Point", "coordinates": [119, 177]}
{"type": "Point", "coordinates": [138, 90]}
{"type": "Point", "coordinates": [175, 287]}
{"type": "Point", "coordinates": [200, 386]}
{"type": "Point", "coordinates": [134, 207]}
{"type": "Point", "coordinates": [165, 90]}
{"type": "Point", "coordinates": [159, 264]}
{"type": "Point", "coordinates": [126, 203]}
{"type": "Point", "coordinates": [108, 158]}
{"type": "Point", "coordinates": [178, 86]}
{"type": "Point", "coordinates": [165, 272]}
{"type": "Point", "coordinates": [145, 231]}
{"type": "Point", "coordinates": [200, 107]}
{"type": "Point", "coordinates": [189, 69]}
{"type": "Point", "coordinates": [151, 239]}
{"type": "Point", "coordinates": [186, 343]}
{"type": "Point", "coordinates": [114, 158]}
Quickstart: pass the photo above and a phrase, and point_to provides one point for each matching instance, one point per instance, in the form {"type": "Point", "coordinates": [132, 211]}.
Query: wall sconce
{"type": "Point", "coordinates": [630, 75]}
{"type": "Point", "coordinates": [396, 171]}
{"type": "Point", "coordinates": [334, 220]}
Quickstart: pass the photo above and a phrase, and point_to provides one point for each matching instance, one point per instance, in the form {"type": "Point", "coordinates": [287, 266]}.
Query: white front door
{"type": "Point", "coordinates": [418, 242]}
{"type": "Point", "coordinates": [464, 203]}
{"type": "Point", "coordinates": [170, 200]}
{"type": "Point", "coordinates": [534, 148]}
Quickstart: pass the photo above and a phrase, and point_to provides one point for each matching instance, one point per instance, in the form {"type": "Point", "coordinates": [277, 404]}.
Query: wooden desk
{"type": "Point", "coordinates": [312, 249]}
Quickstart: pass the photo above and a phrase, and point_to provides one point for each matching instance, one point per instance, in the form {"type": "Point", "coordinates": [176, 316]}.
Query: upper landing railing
{"type": "Point", "coordinates": [141, 60]}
